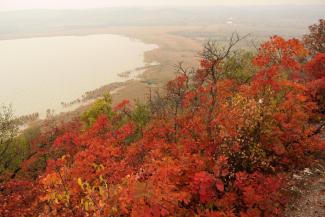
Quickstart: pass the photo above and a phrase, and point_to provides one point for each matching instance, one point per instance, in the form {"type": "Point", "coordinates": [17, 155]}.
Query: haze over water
{"type": "Point", "coordinates": [40, 73]}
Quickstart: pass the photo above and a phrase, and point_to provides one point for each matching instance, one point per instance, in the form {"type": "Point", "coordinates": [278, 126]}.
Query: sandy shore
{"type": "Point", "coordinates": [172, 49]}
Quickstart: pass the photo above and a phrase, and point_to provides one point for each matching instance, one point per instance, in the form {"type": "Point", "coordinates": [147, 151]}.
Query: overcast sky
{"type": "Point", "coordinates": [77, 4]}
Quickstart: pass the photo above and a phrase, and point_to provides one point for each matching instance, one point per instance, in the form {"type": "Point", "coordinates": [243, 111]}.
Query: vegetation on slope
{"type": "Point", "coordinates": [220, 142]}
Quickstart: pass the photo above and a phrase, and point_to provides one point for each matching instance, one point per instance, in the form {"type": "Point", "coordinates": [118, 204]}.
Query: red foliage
{"type": "Point", "coordinates": [203, 184]}
{"type": "Point", "coordinates": [316, 67]}
{"type": "Point", "coordinates": [19, 198]}
{"type": "Point", "coordinates": [316, 79]}
{"type": "Point", "coordinates": [216, 149]}
{"type": "Point", "coordinates": [280, 52]}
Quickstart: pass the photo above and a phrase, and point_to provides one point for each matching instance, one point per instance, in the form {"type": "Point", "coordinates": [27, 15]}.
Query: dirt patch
{"type": "Point", "coordinates": [309, 192]}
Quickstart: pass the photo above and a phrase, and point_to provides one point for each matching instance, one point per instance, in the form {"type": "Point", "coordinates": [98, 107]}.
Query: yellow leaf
{"type": "Point", "coordinates": [80, 183]}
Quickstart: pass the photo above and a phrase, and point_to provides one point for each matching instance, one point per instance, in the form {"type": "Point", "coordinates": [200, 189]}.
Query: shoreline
{"type": "Point", "coordinates": [101, 60]}
{"type": "Point", "coordinates": [171, 49]}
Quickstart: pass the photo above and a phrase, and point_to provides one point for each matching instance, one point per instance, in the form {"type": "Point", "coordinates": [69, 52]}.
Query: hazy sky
{"type": "Point", "coordinates": [76, 4]}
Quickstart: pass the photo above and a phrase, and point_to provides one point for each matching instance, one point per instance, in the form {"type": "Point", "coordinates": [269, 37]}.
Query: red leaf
{"type": "Point", "coordinates": [220, 186]}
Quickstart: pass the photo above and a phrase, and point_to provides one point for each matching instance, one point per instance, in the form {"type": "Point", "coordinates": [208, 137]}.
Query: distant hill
{"type": "Point", "coordinates": [36, 21]}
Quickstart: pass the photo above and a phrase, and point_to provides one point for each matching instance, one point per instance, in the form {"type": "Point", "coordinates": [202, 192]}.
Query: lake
{"type": "Point", "coordinates": [37, 74]}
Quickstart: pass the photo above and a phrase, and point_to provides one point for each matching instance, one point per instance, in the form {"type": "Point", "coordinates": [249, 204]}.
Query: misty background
{"type": "Point", "coordinates": [77, 4]}
{"type": "Point", "coordinates": [288, 20]}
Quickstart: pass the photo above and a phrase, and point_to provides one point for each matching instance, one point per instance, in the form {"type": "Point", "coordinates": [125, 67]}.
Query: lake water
{"type": "Point", "coordinates": [40, 73]}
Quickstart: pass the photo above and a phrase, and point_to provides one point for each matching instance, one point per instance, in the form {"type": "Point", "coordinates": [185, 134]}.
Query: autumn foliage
{"type": "Point", "coordinates": [211, 146]}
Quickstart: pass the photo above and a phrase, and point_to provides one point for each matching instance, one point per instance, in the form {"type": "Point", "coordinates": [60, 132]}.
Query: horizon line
{"type": "Point", "coordinates": [159, 7]}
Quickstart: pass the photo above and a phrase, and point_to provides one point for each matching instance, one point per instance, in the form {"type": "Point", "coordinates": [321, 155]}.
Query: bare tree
{"type": "Point", "coordinates": [216, 55]}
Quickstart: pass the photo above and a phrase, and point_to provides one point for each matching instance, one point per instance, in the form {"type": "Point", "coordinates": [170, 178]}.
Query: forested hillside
{"type": "Point", "coordinates": [220, 141]}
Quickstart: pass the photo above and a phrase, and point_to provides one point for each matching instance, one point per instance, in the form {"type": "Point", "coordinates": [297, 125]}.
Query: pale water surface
{"type": "Point", "coordinates": [40, 73]}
